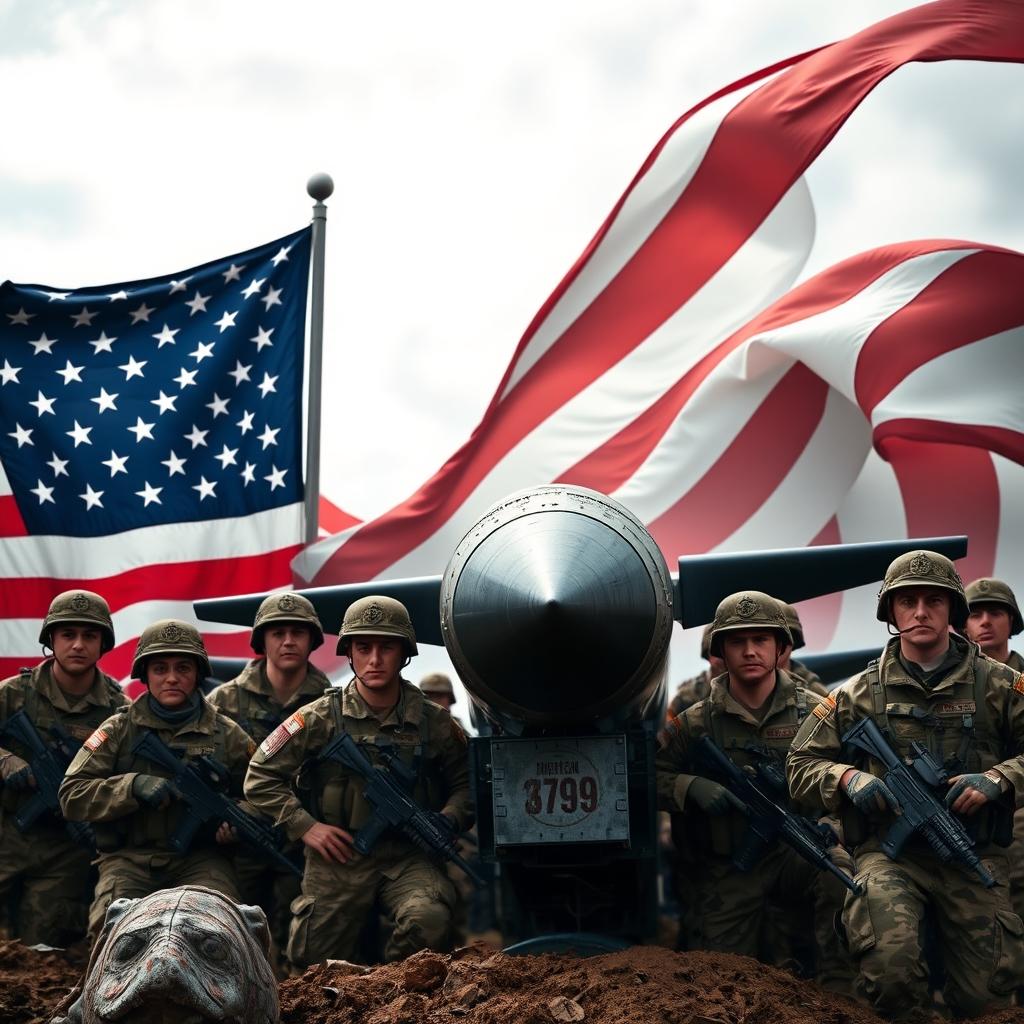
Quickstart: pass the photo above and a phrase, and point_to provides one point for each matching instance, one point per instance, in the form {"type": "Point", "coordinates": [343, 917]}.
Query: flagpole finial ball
{"type": "Point", "coordinates": [320, 186]}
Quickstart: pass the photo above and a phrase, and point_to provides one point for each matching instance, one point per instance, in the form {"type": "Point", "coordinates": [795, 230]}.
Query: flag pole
{"type": "Point", "coordinates": [319, 187]}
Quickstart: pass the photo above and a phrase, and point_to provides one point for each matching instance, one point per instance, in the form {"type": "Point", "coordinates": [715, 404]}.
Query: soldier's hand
{"type": "Point", "coordinates": [969, 793]}
{"type": "Point", "coordinates": [17, 774]}
{"type": "Point", "coordinates": [712, 798]}
{"type": "Point", "coordinates": [331, 842]}
{"type": "Point", "coordinates": [225, 834]}
{"type": "Point", "coordinates": [869, 793]}
{"type": "Point", "coordinates": [152, 790]}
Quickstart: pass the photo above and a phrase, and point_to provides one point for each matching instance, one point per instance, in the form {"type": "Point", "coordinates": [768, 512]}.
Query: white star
{"type": "Point", "coordinates": [267, 385]}
{"type": "Point", "coordinates": [9, 373]}
{"type": "Point", "coordinates": [276, 477]}
{"type": "Point", "coordinates": [247, 473]}
{"type": "Point", "coordinates": [282, 254]}
{"type": "Point", "coordinates": [102, 343]}
{"type": "Point", "coordinates": [118, 296]}
{"type": "Point", "coordinates": [204, 351]}
{"type": "Point", "coordinates": [174, 465]}
{"type": "Point", "coordinates": [165, 402]}
{"type": "Point", "coordinates": [179, 286]}
{"type": "Point", "coordinates": [226, 321]}
{"type": "Point", "coordinates": [141, 430]}
{"type": "Point", "coordinates": [233, 273]}
{"type": "Point", "coordinates": [205, 488]}
{"type": "Point", "coordinates": [21, 435]}
{"type": "Point", "coordinates": [21, 317]}
{"type": "Point", "coordinates": [245, 423]}
{"type": "Point", "coordinates": [91, 497]}
{"type": "Point", "coordinates": [70, 373]}
{"type": "Point", "coordinates": [262, 338]}
{"type": "Point", "coordinates": [227, 457]}
{"type": "Point", "coordinates": [43, 344]}
{"type": "Point", "coordinates": [219, 406]}
{"type": "Point", "coordinates": [269, 437]}
{"type": "Point", "coordinates": [84, 318]}
{"type": "Point", "coordinates": [116, 463]}
{"type": "Point", "coordinates": [197, 303]}
{"type": "Point", "coordinates": [254, 287]}
{"type": "Point", "coordinates": [240, 372]}
{"type": "Point", "coordinates": [185, 379]}
{"type": "Point", "coordinates": [104, 400]}
{"type": "Point", "coordinates": [58, 466]}
{"type": "Point", "coordinates": [80, 435]}
{"type": "Point", "coordinates": [150, 494]}
{"type": "Point", "coordinates": [142, 313]}
{"type": "Point", "coordinates": [43, 493]}
{"type": "Point", "coordinates": [44, 404]}
{"type": "Point", "coordinates": [132, 368]}
{"type": "Point", "coordinates": [56, 296]}
{"type": "Point", "coordinates": [197, 437]}
{"type": "Point", "coordinates": [272, 298]}
{"type": "Point", "coordinates": [166, 336]}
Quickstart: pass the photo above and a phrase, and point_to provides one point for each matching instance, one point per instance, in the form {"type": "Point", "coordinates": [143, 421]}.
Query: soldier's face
{"type": "Point", "coordinates": [988, 625]}
{"type": "Point", "coordinates": [172, 680]}
{"type": "Point", "coordinates": [444, 699]}
{"type": "Point", "coordinates": [921, 614]}
{"type": "Point", "coordinates": [76, 648]}
{"type": "Point", "coordinates": [376, 660]}
{"type": "Point", "coordinates": [287, 645]}
{"type": "Point", "coordinates": [750, 654]}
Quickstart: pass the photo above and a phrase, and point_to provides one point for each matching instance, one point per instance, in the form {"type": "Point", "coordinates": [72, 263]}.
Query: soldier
{"type": "Point", "coordinates": [752, 714]}
{"type": "Point", "coordinates": [270, 689]}
{"type": "Point", "coordinates": [932, 687]}
{"type": "Point", "coordinates": [131, 800]}
{"type": "Point", "coordinates": [438, 687]}
{"type": "Point", "coordinates": [994, 617]}
{"type": "Point", "coordinates": [65, 693]}
{"type": "Point", "coordinates": [692, 690]}
{"type": "Point", "coordinates": [797, 669]}
{"type": "Point", "coordinates": [381, 711]}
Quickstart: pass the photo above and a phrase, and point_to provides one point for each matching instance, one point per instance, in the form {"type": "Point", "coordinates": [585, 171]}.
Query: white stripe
{"type": "Point", "coordinates": [1009, 549]}
{"type": "Point", "coordinates": [81, 558]}
{"type": "Point", "coordinates": [5, 484]}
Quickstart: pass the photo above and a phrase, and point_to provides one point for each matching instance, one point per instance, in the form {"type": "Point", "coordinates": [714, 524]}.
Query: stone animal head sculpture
{"type": "Point", "coordinates": [179, 956]}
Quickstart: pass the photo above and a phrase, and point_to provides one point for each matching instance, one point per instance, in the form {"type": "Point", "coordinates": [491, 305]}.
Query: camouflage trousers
{"type": "Point", "coordinates": [132, 874]}
{"type": "Point", "coordinates": [266, 886]}
{"type": "Point", "coordinates": [338, 899]}
{"type": "Point", "coordinates": [55, 879]}
{"type": "Point", "coordinates": [980, 937]}
{"type": "Point", "coordinates": [1015, 859]}
{"type": "Point", "coordinates": [727, 908]}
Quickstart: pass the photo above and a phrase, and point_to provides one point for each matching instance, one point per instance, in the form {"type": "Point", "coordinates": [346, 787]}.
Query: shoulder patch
{"type": "Point", "coordinates": [825, 708]}
{"type": "Point", "coordinates": [282, 734]}
{"type": "Point", "coordinates": [1019, 685]}
{"type": "Point", "coordinates": [96, 740]}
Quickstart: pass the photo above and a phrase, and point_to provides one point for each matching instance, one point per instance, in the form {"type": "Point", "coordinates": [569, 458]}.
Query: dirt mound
{"type": "Point", "coordinates": [33, 982]}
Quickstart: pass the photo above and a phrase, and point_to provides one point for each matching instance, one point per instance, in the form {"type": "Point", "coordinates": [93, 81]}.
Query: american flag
{"type": "Point", "coordinates": [677, 368]}
{"type": "Point", "coordinates": [150, 441]}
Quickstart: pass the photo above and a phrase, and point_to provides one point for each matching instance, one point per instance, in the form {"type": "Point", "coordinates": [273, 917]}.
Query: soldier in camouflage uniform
{"type": "Point", "coordinates": [797, 669]}
{"type": "Point", "coordinates": [68, 692]}
{"type": "Point", "coordinates": [380, 710]}
{"type": "Point", "coordinates": [933, 687]}
{"type": "Point", "coordinates": [269, 690]}
{"type": "Point", "coordinates": [753, 714]}
{"type": "Point", "coordinates": [130, 800]}
{"type": "Point", "coordinates": [692, 690]}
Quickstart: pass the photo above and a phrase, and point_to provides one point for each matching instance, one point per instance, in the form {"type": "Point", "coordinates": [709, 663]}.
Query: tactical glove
{"type": "Point", "coordinates": [870, 794]}
{"type": "Point", "coordinates": [16, 774]}
{"type": "Point", "coordinates": [152, 790]}
{"type": "Point", "coordinates": [984, 784]}
{"type": "Point", "coordinates": [712, 798]}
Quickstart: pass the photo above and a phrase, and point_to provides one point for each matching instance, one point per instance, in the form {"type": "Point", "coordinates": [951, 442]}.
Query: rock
{"type": "Point", "coordinates": [423, 972]}
{"type": "Point", "coordinates": [565, 1009]}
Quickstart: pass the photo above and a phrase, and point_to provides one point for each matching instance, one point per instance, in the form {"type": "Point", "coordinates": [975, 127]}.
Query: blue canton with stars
{"type": "Point", "coordinates": [169, 400]}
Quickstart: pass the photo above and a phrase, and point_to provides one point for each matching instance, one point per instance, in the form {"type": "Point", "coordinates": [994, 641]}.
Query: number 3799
{"type": "Point", "coordinates": [568, 794]}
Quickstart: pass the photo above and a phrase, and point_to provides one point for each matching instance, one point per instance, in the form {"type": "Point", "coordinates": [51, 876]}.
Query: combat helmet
{"type": "Point", "coordinates": [81, 607]}
{"type": "Point", "coordinates": [795, 625]}
{"type": "Point", "coordinates": [437, 682]}
{"type": "Point", "coordinates": [285, 607]}
{"type": "Point", "coordinates": [377, 616]}
{"type": "Point", "coordinates": [749, 609]}
{"type": "Point", "coordinates": [705, 642]}
{"type": "Point", "coordinates": [990, 591]}
{"type": "Point", "coordinates": [924, 569]}
{"type": "Point", "coordinates": [170, 636]}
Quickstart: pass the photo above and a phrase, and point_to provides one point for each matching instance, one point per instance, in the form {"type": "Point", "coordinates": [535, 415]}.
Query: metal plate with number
{"type": "Point", "coordinates": [568, 790]}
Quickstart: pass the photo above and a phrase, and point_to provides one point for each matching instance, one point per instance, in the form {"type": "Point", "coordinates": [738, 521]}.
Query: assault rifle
{"type": "Point", "coordinates": [193, 782]}
{"type": "Point", "coordinates": [768, 820]}
{"type": "Point", "coordinates": [387, 790]}
{"type": "Point", "coordinates": [48, 764]}
{"type": "Point", "coordinates": [921, 812]}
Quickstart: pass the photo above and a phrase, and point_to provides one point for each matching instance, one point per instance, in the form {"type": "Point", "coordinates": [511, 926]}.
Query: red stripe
{"type": "Point", "coordinates": [749, 470]}
{"type": "Point", "coordinates": [11, 523]}
{"type": "Point", "coordinates": [978, 297]}
{"type": "Point", "coordinates": [334, 519]}
{"type": "Point", "coordinates": [1000, 440]}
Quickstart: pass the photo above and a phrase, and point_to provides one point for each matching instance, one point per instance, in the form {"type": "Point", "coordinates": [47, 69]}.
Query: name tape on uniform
{"type": "Point", "coordinates": [826, 707]}
{"type": "Point", "coordinates": [781, 732]}
{"type": "Point", "coordinates": [282, 734]}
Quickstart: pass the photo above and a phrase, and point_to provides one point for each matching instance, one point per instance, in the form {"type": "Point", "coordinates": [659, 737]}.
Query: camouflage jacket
{"type": "Point", "coordinates": [98, 783]}
{"type": "Point", "coordinates": [423, 734]}
{"type": "Point", "coordinates": [48, 706]}
{"type": "Point", "coordinates": [1015, 661]}
{"type": "Point", "coordinates": [746, 740]}
{"type": "Point", "coordinates": [806, 678]}
{"type": "Point", "coordinates": [971, 720]}
{"type": "Point", "coordinates": [249, 699]}
{"type": "Point", "coordinates": [690, 691]}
